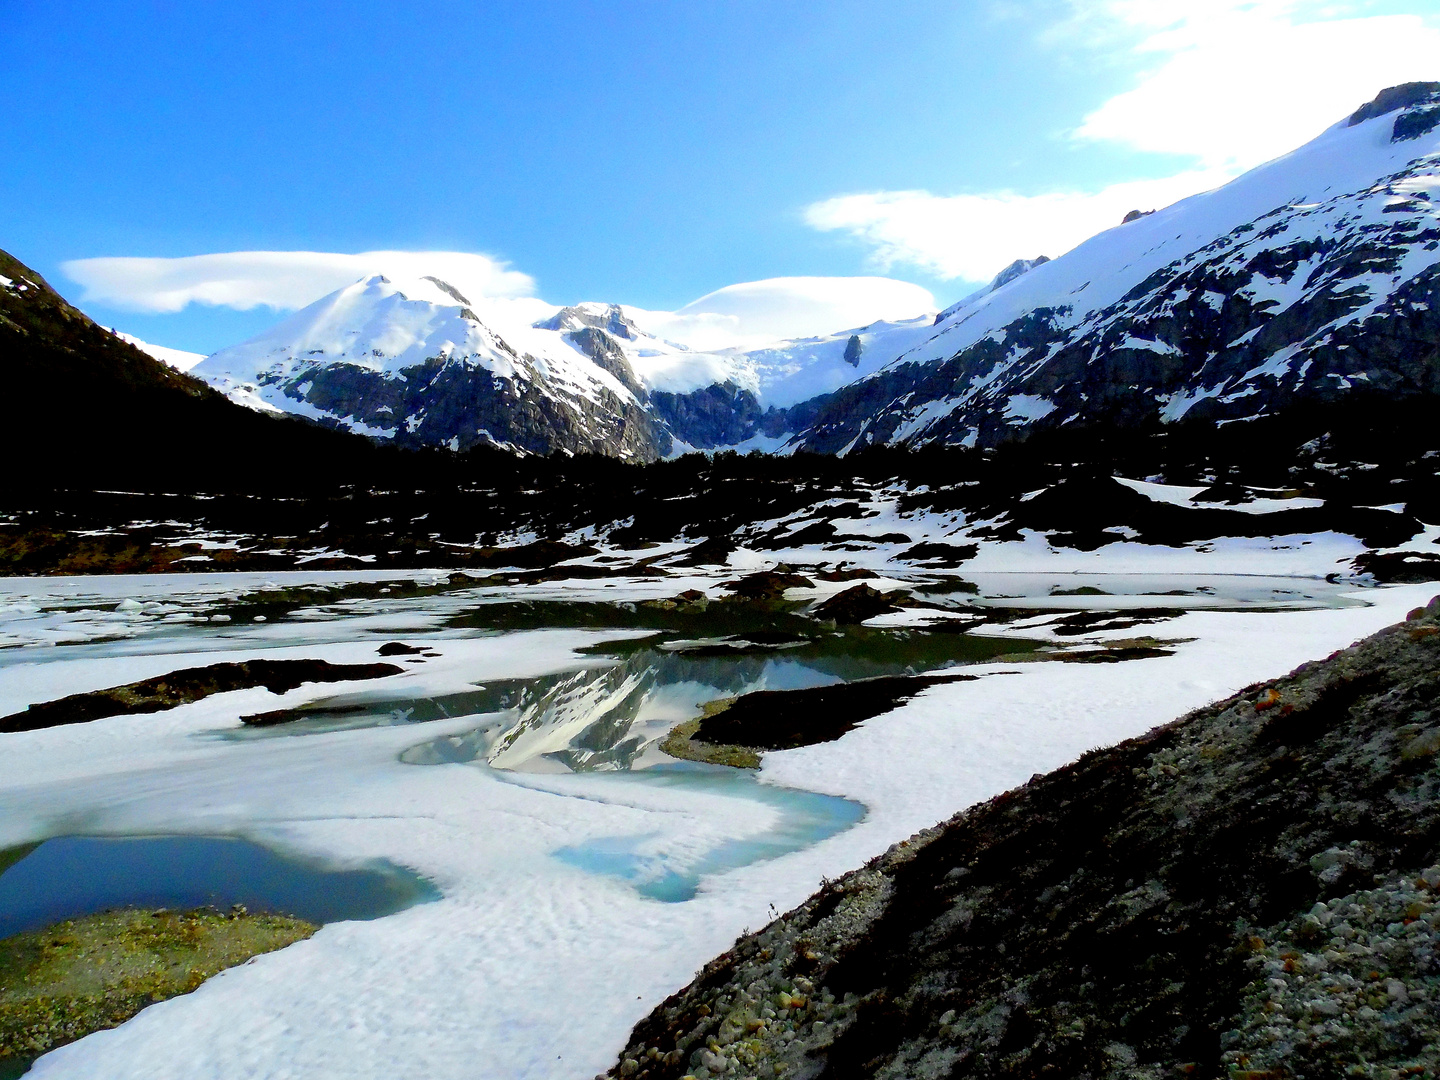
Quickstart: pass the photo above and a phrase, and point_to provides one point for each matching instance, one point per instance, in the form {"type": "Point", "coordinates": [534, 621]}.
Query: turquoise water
{"type": "Point", "coordinates": [806, 817]}
{"type": "Point", "coordinates": [70, 876]}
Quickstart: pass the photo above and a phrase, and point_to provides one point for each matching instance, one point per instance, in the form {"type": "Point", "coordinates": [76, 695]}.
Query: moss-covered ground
{"type": "Point", "coordinates": [66, 981]}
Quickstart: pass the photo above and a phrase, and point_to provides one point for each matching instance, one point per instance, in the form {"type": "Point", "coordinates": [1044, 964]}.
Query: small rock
{"type": "Point", "coordinates": [855, 605]}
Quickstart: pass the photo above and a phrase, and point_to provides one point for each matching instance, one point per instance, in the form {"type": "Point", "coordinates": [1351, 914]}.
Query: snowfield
{"type": "Point", "coordinates": [528, 966]}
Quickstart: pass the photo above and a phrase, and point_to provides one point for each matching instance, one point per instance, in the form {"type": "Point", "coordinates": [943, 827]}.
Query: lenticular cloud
{"type": "Point", "coordinates": [284, 280]}
{"type": "Point", "coordinates": [758, 312]}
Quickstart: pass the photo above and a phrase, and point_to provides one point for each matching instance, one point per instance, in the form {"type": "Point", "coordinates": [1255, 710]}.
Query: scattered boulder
{"type": "Point", "coordinates": [844, 573]}
{"type": "Point", "coordinates": [1399, 567]}
{"type": "Point", "coordinates": [767, 584]}
{"type": "Point", "coordinates": [855, 605]}
{"type": "Point", "coordinates": [399, 648]}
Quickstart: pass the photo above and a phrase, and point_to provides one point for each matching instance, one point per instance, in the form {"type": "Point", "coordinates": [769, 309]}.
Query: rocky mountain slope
{"type": "Point", "coordinates": [1252, 889]}
{"type": "Point", "coordinates": [91, 410]}
{"type": "Point", "coordinates": [1312, 279]}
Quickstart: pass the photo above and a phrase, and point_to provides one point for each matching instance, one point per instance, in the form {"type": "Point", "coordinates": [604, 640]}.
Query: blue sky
{"type": "Point", "coordinates": [646, 152]}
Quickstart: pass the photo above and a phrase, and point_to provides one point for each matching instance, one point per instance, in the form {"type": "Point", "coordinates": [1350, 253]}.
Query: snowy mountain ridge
{"type": "Point", "coordinates": [1303, 279]}
{"type": "Point", "coordinates": [1308, 278]}
{"type": "Point", "coordinates": [412, 361]}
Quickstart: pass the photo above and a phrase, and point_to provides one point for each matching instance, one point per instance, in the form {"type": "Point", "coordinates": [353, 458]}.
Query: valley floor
{"type": "Point", "coordinates": [532, 965]}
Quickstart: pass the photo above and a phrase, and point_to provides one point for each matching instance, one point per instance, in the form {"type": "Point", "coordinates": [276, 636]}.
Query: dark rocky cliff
{"type": "Point", "coordinates": [445, 402]}
{"type": "Point", "coordinates": [1250, 891]}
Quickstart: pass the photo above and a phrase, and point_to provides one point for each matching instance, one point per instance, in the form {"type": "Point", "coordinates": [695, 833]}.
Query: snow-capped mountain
{"type": "Point", "coordinates": [758, 399]}
{"type": "Point", "coordinates": [412, 361]}
{"type": "Point", "coordinates": [1311, 279]}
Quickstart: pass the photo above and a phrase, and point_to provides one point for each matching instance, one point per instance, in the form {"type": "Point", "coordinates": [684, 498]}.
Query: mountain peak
{"type": "Point", "coordinates": [1394, 98]}
{"type": "Point", "coordinates": [608, 317]}
{"type": "Point", "coordinates": [447, 289]}
{"type": "Point", "coordinates": [1015, 269]}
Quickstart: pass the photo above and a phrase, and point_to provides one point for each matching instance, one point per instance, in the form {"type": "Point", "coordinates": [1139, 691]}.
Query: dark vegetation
{"type": "Point", "coordinates": [91, 411]}
{"type": "Point", "coordinates": [186, 685]}
{"type": "Point", "coordinates": [455, 511]}
{"type": "Point", "coordinates": [120, 464]}
{"type": "Point", "coordinates": [1252, 890]}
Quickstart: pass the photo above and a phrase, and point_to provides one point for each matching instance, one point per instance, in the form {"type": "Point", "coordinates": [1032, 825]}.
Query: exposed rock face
{"type": "Point", "coordinates": [1003, 278]}
{"type": "Point", "coordinates": [1329, 296]}
{"type": "Point", "coordinates": [1015, 269]}
{"type": "Point", "coordinates": [608, 356]}
{"type": "Point", "coordinates": [607, 317]}
{"type": "Point", "coordinates": [1393, 98]}
{"type": "Point", "coordinates": [1253, 887]}
{"type": "Point", "coordinates": [719, 415]}
{"type": "Point", "coordinates": [1309, 281]}
{"type": "Point", "coordinates": [449, 402]}
{"type": "Point", "coordinates": [724, 414]}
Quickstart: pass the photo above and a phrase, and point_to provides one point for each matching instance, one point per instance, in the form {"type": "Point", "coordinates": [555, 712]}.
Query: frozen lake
{"type": "Point", "coordinates": [581, 874]}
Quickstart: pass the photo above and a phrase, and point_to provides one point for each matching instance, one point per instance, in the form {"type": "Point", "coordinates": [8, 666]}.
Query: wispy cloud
{"type": "Point", "coordinates": [1227, 84]}
{"type": "Point", "coordinates": [1233, 84]}
{"type": "Point", "coordinates": [283, 280]}
{"type": "Point", "coordinates": [970, 237]}
{"type": "Point", "coordinates": [750, 313]}
{"type": "Point", "coordinates": [755, 313]}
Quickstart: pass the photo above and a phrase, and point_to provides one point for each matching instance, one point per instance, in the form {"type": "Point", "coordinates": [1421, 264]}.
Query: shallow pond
{"type": "Point", "coordinates": [805, 818]}
{"type": "Point", "coordinates": [68, 876]}
{"type": "Point", "coordinates": [606, 715]}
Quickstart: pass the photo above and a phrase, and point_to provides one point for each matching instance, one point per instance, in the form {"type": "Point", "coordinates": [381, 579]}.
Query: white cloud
{"type": "Point", "coordinates": [1226, 83]}
{"type": "Point", "coordinates": [754, 313]}
{"type": "Point", "coordinates": [284, 280]}
{"type": "Point", "coordinates": [1234, 84]}
{"type": "Point", "coordinates": [971, 237]}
